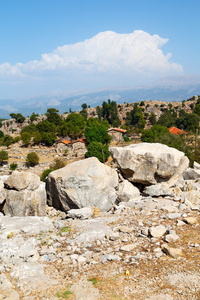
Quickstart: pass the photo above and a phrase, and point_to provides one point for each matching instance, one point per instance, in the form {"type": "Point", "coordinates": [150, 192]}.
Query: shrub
{"type": "Point", "coordinates": [45, 174]}
{"type": "Point", "coordinates": [3, 156]}
{"type": "Point", "coordinates": [58, 164]}
{"type": "Point", "coordinates": [7, 140]}
{"type": "Point", "coordinates": [32, 159]}
{"type": "Point", "coordinates": [1, 133]}
{"type": "Point", "coordinates": [98, 150]}
{"type": "Point", "coordinates": [26, 138]}
{"type": "Point", "coordinates": [13, 166]}
{"type": "Point", "coordinates": [126, 139]}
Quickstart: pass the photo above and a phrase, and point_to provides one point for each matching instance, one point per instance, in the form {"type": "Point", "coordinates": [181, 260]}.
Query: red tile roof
{"type": "Point", "coordinates": [66, 142]}
{"type": "Point", "coordinates": [175, 130]}
{"type": "Point", "coordinates": [118, 129]}
{"type": "Point", "coordinates": [81, 140]}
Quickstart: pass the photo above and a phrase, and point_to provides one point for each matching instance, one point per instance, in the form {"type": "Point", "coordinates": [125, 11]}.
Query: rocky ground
{"type": "Point", "coordinates": [143, 249]}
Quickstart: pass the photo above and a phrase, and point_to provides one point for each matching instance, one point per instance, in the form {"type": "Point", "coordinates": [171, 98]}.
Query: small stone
{"type": "Point", "coordinates": [171, 238]}
{"type": "Point", "coordinates": [180, 223]}
{"type": "Point", "coordinates": [128, 247]}
{"type": "Point", "coordinates": [13, 295]}
{"type": "Point", "coordinates": [81, 259]}
{"type": "Point", "coordinates": [157, 231]}
{"type": "Point", "coordinates": [125, 229]}
{"type": "Point", "coordinates": [173, 252]}
{"type": "Point", "coordinates": [190, 220]}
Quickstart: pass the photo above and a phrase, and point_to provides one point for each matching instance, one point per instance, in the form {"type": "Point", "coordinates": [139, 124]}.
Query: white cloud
{"type": "Point", "coordinates": [107, 51]}
{"type": "Point", "coordinates": [106, 60]}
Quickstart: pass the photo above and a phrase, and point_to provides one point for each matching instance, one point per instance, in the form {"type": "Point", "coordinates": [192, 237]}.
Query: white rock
{"type": "Point", "coordinates": [157, 231]}
{"type": "Point", "coordinates": [85, 183]}
{"type": "Point", "coordinates": [127, 191]}
{"type": "Point", "coordinates": [81, 213]}
{"type": "Point", "coordinates": [150, 163]}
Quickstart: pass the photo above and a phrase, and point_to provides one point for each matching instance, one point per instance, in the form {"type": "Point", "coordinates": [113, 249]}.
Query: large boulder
{"type": "Point", "coordinates": [22, 180]}
{"type": "Point", "coordinates": [127, 191]}
{"type": "Point", "coordinates": [85, 183]}
{"type": "Point", "coordinates": [25, 203]}
{"type": "Point", "coordinates": [24, 195]}
{"type": "Point", "coordinates": [150, 163]}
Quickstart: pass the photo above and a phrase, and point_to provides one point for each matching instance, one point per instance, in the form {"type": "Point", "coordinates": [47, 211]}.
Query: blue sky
{"type": "Point", "coordinates": [52, 47]}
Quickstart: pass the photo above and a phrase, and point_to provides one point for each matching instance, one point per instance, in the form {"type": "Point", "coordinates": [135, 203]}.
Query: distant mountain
{"type": "Point", "coordinates": [41, 104]}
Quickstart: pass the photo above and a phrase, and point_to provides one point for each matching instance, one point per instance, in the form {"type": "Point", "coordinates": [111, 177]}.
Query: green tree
{"type": "Point", "coordinates": [152, 118]}
{"type": "Point", "coordinates": [189, 122]}
{"type": "Point", "coordinates": [46, 126]}
{"type": "Point", "coordinates": [1, 134]}
{"type": "Point", "coordinates": [168, 119]}
{"type": "Point", "coordinates": [26, 138]}
{"type": "Point", "coordinates": [3, 156]}
{"type": "Point", "coordinates": [34, 117]}
{"type": "Point", "coordinates": [32, 159]}
{"type": "Point", "coordinates": [153, 134]}
{"type": "Point", "coordinates": [110, 113]}
{"type": "Point", "coordinates": [37, 137]}
{"type": "Point", "coordinates": [97, 133]}
{"type": "Point", "coordinates": [7, 140]}
{"type": "Point", "coordinates": [84, 106]}
{"type": "Point", "coordinates": [48, 138]}
{"type": "Point", "coordinates": [84, 113]}
{"type": "Point", "coordinates": [13, 166]}
{"type": "Point", "coordinates": [53, 116]}
{"type": "Point", "coordinates": [135, 117]}
{"type": "Point", "coordinates": [73, 126]}
{"type": "Point", "coordinates": [18, 117]}
{"type": "Point", "coordinates": [98, 150]}
{"type": "Point", "coordinates": [29, 128]}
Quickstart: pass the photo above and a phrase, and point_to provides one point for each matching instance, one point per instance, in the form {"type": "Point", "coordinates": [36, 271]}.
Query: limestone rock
{"type": "Point", "coordinates": [127, 191]}
{"type": "Point", "coordinates": [157, 231]}
{"type": "Point", "coordinates": [190, 220]}
{"type": "Point", "coordinates": [128, 247]}
{"type": "Point", "coordinates": [159, 189]}
{"type": "Point", "coordinates": [191, 174]}
{"type": "Point", "coordinates": [81, 213]}
{"type": "Point", "coordinates": [173, 252]}
{"type": "Point", "coordinates": [84, 290]}
{"type": "Point", "coordinates": [25, 203]}
{"type": "Point", "coordinates": [150, 163]}
{"type": "Point", "coordinates": [2, 194]}
{"type": "Point", "coordinates": [85, 183]}
{"type": "Point", "coordinates": [22, 180]}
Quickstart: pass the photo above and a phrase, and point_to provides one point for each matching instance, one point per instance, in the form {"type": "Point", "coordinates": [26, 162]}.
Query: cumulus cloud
{"type": "Point", "coordinates": [105, 52]}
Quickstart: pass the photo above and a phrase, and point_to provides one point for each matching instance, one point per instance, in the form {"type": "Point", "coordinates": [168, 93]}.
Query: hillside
{"type": "Point", "coordinates": [11, 127]}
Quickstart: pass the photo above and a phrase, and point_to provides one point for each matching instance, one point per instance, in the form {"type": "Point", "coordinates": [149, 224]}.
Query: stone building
{"type": "Point", "coordinates": [117, 134]}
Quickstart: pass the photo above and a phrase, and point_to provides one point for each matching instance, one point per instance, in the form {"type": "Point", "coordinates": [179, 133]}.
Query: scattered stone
{"type": "Point", "coordinates": [173, 252]}
{"type": "Point", "coordinates": [125, 229]}
{"type": "Point", "coordinates": [190, 220]}
{"type": "Point", "coordinates": [128, 247]}
{"type": "Point", "coordinates": [81, 213]}
{"type": "Point", "coordinates": [157, 231]}
{"type": "Point", "coordinates": [109, 257]}
{"type": "Point", "coordinates": [159, 189]}
{"type": "Point", "coordinates": [180, 223]}
{"type": "Point", "coordinates": [171, 238]}
{"type": "Point", "coordinates": [127, 191]}
{"type": "Point", "coordinates": [84, 290]}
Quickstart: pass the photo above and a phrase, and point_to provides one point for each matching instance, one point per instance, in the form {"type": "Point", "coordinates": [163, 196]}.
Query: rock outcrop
{"type": "Point", "coordinates": [85, 183]}
{"type": "Point", "coordinates": [24, 195]}
{"type": "Point", "coordinates": [148, 163]}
